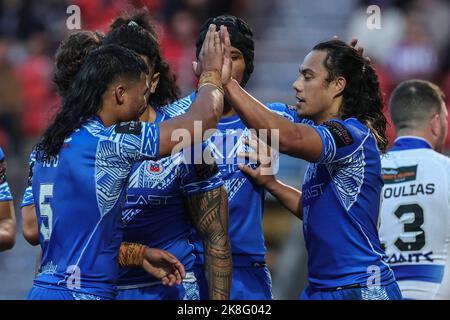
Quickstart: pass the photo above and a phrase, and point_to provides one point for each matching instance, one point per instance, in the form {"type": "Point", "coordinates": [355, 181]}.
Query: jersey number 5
{"type": "Point", "coordinates": [411, 227]}
{"type": "Point", "coordinates": [46, 192]}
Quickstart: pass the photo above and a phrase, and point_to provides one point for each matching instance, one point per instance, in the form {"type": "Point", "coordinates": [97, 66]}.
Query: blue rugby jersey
{"type": "Point", "coordinates": [341, 202]}
{"type": "Point", "coordinates": [79, 201]}
{"type": "Point", "coordinates": [5, 192]}
{"type": "Point", "coordinates": [155, 213]}
{"type": "Point", "coordinates": [245, 198]}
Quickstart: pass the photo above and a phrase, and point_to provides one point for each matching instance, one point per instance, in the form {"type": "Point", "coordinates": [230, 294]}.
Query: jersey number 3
{"type": "Point", "coordinates": [45, 193]}
{"type": "Point", "coordinates": [411, 227]}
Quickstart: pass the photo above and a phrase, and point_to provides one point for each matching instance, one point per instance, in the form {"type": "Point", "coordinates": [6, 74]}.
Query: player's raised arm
{"type": "Point", "coordinates": [208, 105]}
{"type": "Point", "coordinates": [298, 140]}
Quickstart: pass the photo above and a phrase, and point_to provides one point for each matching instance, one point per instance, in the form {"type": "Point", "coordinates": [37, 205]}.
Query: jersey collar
{"type": "Point", "coordinates": [410, 142]}
{"type": "Point", "coordinates": [95, 118]}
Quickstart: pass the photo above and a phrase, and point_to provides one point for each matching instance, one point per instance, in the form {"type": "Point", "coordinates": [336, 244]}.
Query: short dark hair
{"type": "Point", "coordinates": [413, 102]}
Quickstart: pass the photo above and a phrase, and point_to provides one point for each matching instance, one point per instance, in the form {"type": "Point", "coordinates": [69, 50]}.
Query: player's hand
{"type": "Point", "coordinates": [227, 62]}
{"type": "Point", "coordinates": [264, 157]}
{"type": "Point", "coordinates": [353, 43]}
{"type": "Point", "coordinates": [163, 266]}
{"type": "Point", "coordinates": [211, 54]}
{"type": "Point", "coordinates": [359, 49]}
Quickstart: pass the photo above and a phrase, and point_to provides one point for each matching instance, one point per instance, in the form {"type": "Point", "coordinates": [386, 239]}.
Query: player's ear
{"type": "Point", "coordinates": [339, 85]}
{"type": "Point", "coordinates": [154, 82]}
{"type": "Point", "coordinates": [119, 94]}
{"type": "Point", "coordinates": [435, 125]}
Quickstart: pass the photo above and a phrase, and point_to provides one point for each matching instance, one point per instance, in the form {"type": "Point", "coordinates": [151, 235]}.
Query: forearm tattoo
{"type": "Point", "coordinates": [209, 212]}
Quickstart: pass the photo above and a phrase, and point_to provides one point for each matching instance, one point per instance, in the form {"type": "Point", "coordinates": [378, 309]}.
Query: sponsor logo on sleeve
{"type": "Point", "coordinates": [341, 134]}
{"type": "Point", "coordinates": [132, 127]}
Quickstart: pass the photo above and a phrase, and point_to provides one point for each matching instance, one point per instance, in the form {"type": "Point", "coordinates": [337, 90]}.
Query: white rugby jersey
{"type": "Point", "coordinates": [415, 218]}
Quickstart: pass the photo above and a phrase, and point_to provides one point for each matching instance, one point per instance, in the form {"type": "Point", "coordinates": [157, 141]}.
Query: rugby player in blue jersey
{"type": "Point", "coordinates": [83, 161]}
{"type": "Point", "coordinates": [7, 215]}
{"type": "Point", "coordinates": [251, 279]}
{"type": "Point", "coordinates": [69, 58]}
{"type": "Point", "coordinates": [339, 203]}
{"type": "Point", "coordinates": [167, 197]}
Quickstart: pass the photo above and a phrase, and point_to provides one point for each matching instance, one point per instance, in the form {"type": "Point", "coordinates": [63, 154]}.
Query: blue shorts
{"type": "Point", "coordinates": [390, 291]}
{"type": "Point", "coordinates": [248, 283]}
{"type": "Point", "coordinates": [44, 293]}
{"type": "Point", "coordinates": [184, 291]}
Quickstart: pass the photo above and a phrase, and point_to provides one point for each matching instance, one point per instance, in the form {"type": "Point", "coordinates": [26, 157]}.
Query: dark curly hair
{"type": "Point", "coordinates": [70, 56]}
{"type": "Point", "coordinates": [362, 97]}
{"type": "Point", "coordinates": [141, 16]}
{"type": "Point", "coordinates": [126, 30]}
{"type": "Point", "coordinates": [83, 99]}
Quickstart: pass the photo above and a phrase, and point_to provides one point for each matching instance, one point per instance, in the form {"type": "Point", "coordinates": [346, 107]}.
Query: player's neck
{"type": "Point", "coordinates": [228, 110]}
{"type": "Point", "coordinates": [416, 133]}
{"type": "Point", "coordinates": [329, 113]}
{"type": "Point", "coordinates": [108, 118]}
{"type": "Point", "coordinates": [149, 115]}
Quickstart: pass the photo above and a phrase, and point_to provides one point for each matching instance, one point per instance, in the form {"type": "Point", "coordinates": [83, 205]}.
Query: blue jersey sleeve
{"type": "Point", "coordinates": [196, 176]}
{"type": "Point", "coordinates": [135, 141]}
{"type": "Point", "coordinates": [5, 192]}
{"type": "Point", "coordinates": [28, 198]}
{"type": "Point", "coordinates": [288, 112]}
{"type": "Point", "coordinates": [340, 138]}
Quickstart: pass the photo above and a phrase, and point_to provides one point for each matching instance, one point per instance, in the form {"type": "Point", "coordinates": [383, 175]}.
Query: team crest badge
{"type": "Point", "coordinates": [154, 167]}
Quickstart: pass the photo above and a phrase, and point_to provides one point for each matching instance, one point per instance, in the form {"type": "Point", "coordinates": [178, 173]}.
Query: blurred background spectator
{"type": "Point", "coordinates": [413, 42]}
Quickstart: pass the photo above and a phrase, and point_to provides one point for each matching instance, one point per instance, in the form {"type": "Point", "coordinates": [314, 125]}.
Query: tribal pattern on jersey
{"type": "Point", "coordinates": [5, 192]}
{"type": "Point", "coordinates": [233, 186]}
{"type": "Point", "coordinates": [80, 197]}
{"type": "Point", "coordinates": [246, 199]}
{"type": "Point", "coordinates": [155, 212]}
{"type": "Point", "coordinates": [340, 200]}
{"type": "Point", "coordinates": [27, 198]}
{"type": "Point", "coordinates": [374, 293]}
{"type": "Point", "coordinates": [111, 169]}
{"type": "Point", "coordinates": [348, 177]}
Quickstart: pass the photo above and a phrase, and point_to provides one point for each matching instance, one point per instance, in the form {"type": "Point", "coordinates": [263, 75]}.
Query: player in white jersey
{"type": "Point", "coordinates": [415, 212]}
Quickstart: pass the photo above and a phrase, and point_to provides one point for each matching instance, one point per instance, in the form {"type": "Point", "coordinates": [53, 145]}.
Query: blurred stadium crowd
{"type": "Point", "coordinates": [413, 42]}
{"type": "Point", "coordinates": [30, 32]}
